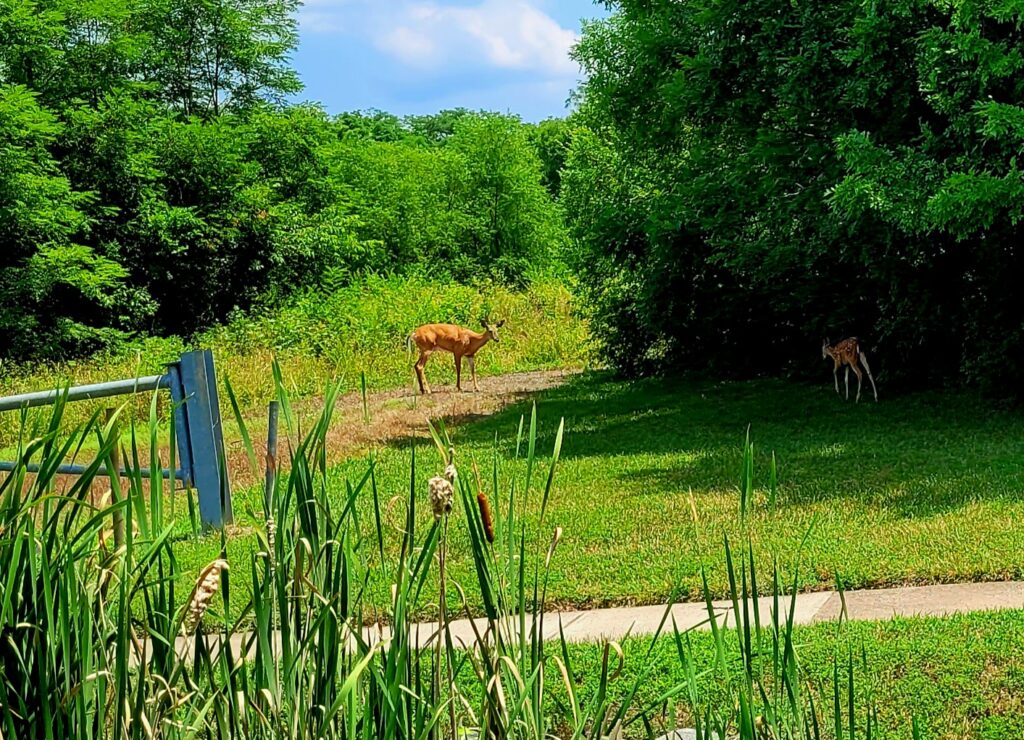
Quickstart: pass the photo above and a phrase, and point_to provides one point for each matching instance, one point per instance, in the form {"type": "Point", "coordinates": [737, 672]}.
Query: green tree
{"type": "Point", "coordinates": [314, 237]}
{"type": "Point", "coordinates": [799, 170]}
{"type": "Point", "coordinates": [373, 125]}
{"type": "Point", "coordinates": [212, 55]}
{"type": "Point", "coordinates": [70, 52]}
{"type": "Point", "coordinates": [436, 128]}
{"type": "Point", "coordinates": [58, 295]}
{"type": "Point", "coordinates": [410, 199]}
{"type": "Point", "coordinates": [550, 139]}
{"type": "Point", "coordinates": [517, 226]}
{"type": "Point", "coordinates": [471, 206]}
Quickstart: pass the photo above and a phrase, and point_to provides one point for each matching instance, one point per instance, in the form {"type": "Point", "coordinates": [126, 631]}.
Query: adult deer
{"type": "Point", "coordinates": [459, 341]}
{"type": "Point", "coordinates": [848, 353]}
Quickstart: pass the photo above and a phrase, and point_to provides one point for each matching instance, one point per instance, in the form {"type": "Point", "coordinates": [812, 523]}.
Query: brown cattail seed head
{"type": "Point", "coordinates": [485, 516]}
{"type": "Point", "coordinates": [207, 586]}
{"type": "Point", "coordinates": [442, 494]}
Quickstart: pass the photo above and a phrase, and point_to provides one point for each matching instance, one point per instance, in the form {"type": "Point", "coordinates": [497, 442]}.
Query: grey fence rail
{"type": "Point", "coordinates": [192, 384]}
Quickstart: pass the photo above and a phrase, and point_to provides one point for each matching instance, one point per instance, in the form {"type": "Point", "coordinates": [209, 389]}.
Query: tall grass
{"type": "Point", "coordinates": [98, 642]}
{"type": "Point", "coordinates": [356, 333]}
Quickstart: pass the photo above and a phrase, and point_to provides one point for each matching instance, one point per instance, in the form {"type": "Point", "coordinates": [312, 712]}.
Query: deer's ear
{"type": "Point", "coordinates": [501, 323]}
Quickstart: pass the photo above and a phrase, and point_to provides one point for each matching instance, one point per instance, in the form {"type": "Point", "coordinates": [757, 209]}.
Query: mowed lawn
{"type": "Point", "coordinates": [916, 489]}
{"type": "Point", "coordinates": [924, 488]}
{"type": "Point", "coordinates": [960, 677]}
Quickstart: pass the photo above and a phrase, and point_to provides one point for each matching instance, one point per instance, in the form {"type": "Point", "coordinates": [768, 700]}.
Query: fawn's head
{"type": "Point", "coordinates": [824, 348]}
{"type": "Point", "coordinates": [492, 329]}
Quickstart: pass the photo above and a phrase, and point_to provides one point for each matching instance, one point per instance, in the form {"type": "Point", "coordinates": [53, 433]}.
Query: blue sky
{"type": "Point", "coordinates": [421, 56]}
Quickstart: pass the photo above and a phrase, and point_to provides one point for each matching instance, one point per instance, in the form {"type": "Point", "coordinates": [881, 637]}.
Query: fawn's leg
{"type": "Point", "coordinates": [472, 369]}
{"type": "Point", "coordinates": [458, 373]}
{"type": "Point", "coordinates": [864, 362]}
{"type": "Point", "coordinates": [846, 380]}
{"type": "Point", "coordinates": [420, 364]}
{"type": "Point", "coordinates": [860, 378]}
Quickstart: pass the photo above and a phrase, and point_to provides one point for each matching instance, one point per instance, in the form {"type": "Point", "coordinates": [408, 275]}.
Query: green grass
{"type": "Point", "coordinates": [912, 490]}
{"type": "Point", "coordinates": [960, 676]}
{"type": "Point", "coordinates": [919, 489]}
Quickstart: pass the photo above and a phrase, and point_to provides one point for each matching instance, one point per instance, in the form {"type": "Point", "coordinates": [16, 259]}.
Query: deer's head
{"type": "Point", "coordinates": [492, 329]}
{"type": "Point", "coordinates": [824, 348]}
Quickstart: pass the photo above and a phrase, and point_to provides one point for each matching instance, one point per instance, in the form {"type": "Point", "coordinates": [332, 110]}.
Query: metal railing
{"type": "Point", "coordinates": [192, 384]}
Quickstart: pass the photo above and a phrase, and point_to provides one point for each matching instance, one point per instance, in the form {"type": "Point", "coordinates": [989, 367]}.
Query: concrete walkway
{"type": "Point", "coordinates": [618, 623]}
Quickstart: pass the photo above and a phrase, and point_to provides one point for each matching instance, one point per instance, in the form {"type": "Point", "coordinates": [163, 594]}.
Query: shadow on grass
{"type": "Point", "coordinates": [912, 456]}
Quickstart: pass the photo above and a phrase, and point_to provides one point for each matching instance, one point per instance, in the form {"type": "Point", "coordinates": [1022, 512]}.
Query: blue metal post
{"type": "Point", "coordinates": [206, 438]}
{"type": "Point", "coordinates": [218, 437]}
{"type": "Point", "coordinates": [177, 390]}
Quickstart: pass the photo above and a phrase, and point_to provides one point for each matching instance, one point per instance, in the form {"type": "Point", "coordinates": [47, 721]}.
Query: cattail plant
{"type": "Point", "coordinates": [207, 586]}
{"type": "Point", "coordinates": [442, 496]}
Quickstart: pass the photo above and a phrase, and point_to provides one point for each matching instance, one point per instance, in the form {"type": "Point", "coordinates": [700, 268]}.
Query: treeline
{"type": "Point", "coordinates": [153, 178]}
{"type": "Point", "coordinates": [754, 176]}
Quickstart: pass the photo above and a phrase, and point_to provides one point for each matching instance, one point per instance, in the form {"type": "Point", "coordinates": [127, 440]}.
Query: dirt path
{"type": "Point", "coordinates": [394, 415]}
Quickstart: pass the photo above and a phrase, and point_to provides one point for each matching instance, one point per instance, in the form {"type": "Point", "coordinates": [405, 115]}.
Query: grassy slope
{"type": "Point", "coordinates": [321, 338]}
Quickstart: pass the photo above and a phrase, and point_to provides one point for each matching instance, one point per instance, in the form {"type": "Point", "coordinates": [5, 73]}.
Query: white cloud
{"type": "Point", "coordinates": [409, 44]}
{"type": "Point", "coordinates": [505, 34]}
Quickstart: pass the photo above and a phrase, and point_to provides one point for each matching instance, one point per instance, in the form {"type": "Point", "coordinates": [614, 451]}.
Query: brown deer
{"type": "Point", "coordinates": [848, 353]}
{"type": "Point", "coordinates": [459, 341]}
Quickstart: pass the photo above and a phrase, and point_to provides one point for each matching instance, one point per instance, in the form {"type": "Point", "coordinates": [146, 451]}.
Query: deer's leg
{"type": "Point", "coordinates": [472, 370]}
{"type": "Point", "coordinates": [420, 364]}
{"type": "Point", "coordinates": [846, 380]}
{"type": "Point", "coordinates": [835, 377]}
{"type": "Point", "coordinates": [860, 378]}
{"type": "Point", "coordinates": [864, 362]}
{"type": "Point", "coordinates": [458, 373]}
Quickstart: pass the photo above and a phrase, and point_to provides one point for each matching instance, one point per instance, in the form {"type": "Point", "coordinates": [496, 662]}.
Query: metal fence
{"type": "Point", "coordinates": [192, 384]}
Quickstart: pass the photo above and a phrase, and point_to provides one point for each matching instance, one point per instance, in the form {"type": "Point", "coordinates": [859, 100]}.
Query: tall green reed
{"type": "Point", "coordinates": [747, 488]}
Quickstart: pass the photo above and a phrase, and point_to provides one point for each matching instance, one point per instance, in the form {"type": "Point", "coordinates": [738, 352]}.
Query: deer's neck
{"type": "Point", "coordinates": [476, 341]}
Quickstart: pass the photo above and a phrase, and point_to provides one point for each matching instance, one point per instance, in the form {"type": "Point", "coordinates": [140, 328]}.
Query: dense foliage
{"type": "Point", "coordinates": [153, 177]}
{"type": "Point", "coordinates": [755, 176]}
